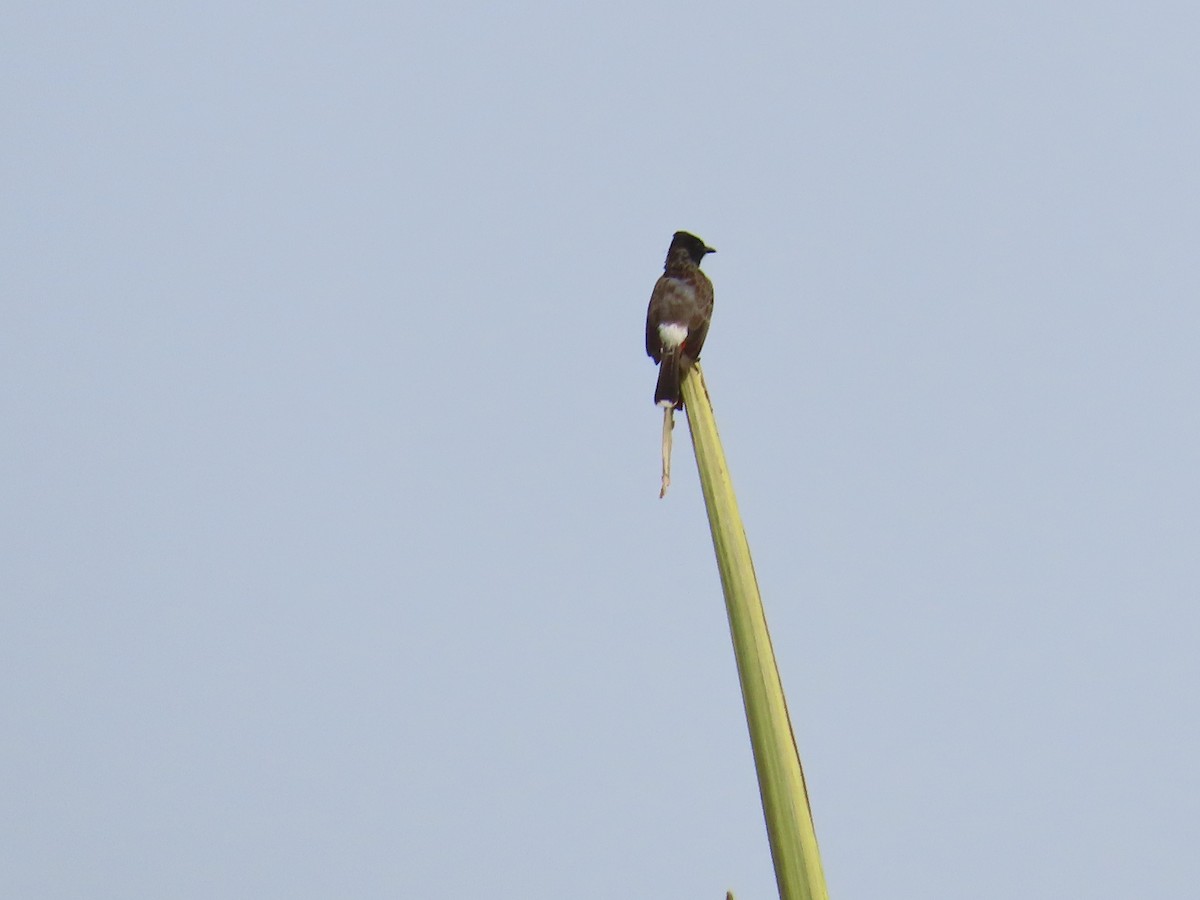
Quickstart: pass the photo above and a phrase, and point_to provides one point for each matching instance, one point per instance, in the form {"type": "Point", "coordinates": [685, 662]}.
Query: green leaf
{"type": "Point", "coordinates": [785, 803]}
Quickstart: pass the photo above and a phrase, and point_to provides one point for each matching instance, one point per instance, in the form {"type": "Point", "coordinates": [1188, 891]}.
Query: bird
{"type": "Point", "coordinates": [677, 320]}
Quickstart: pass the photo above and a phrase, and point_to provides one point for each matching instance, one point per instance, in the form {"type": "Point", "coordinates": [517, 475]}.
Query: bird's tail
{"type": "Point", "coordinates": [668, 390]}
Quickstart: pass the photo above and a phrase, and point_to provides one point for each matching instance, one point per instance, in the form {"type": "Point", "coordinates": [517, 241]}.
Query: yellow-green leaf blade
{"type": "Point", "coordinates": [786, 808]}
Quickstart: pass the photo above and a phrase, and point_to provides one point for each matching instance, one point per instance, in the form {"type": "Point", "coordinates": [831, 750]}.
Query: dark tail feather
{"type": "Point", "coordinates": [668, 380]}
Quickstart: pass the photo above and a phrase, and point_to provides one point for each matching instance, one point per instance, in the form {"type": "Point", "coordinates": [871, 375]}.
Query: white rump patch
{"type": "Point", "coordinates": [664, 404]}
{"type": "Point", "coordinates": [672, 334]}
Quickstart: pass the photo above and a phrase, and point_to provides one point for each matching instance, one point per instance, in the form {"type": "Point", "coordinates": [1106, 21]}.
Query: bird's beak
{"type": "Point", "coordinates": [710, 249]}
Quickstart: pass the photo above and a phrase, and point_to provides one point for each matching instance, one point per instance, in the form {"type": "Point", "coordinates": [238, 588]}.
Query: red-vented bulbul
{"type": "Point", "coordinates": [676, 325]}
{"type": "Point", "coordinates": [677, 320]}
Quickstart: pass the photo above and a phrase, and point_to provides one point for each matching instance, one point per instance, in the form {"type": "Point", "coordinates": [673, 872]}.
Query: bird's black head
{"type": "Point", "coordinates": [695, 247]}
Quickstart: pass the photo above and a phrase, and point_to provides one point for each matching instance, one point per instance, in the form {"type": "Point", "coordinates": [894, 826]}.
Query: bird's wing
{"type": "Point", "coordinates": [698, 326]}
{"type": "Point", "coordinates": [654, 315]}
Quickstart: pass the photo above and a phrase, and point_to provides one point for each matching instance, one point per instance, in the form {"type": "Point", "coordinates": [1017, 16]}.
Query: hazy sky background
{"type": "Point", "coordinates": [332, 559]}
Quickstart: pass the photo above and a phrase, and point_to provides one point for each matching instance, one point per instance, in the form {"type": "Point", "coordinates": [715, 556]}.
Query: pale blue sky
{"type": "Point", "coordinates": [333, 563]}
